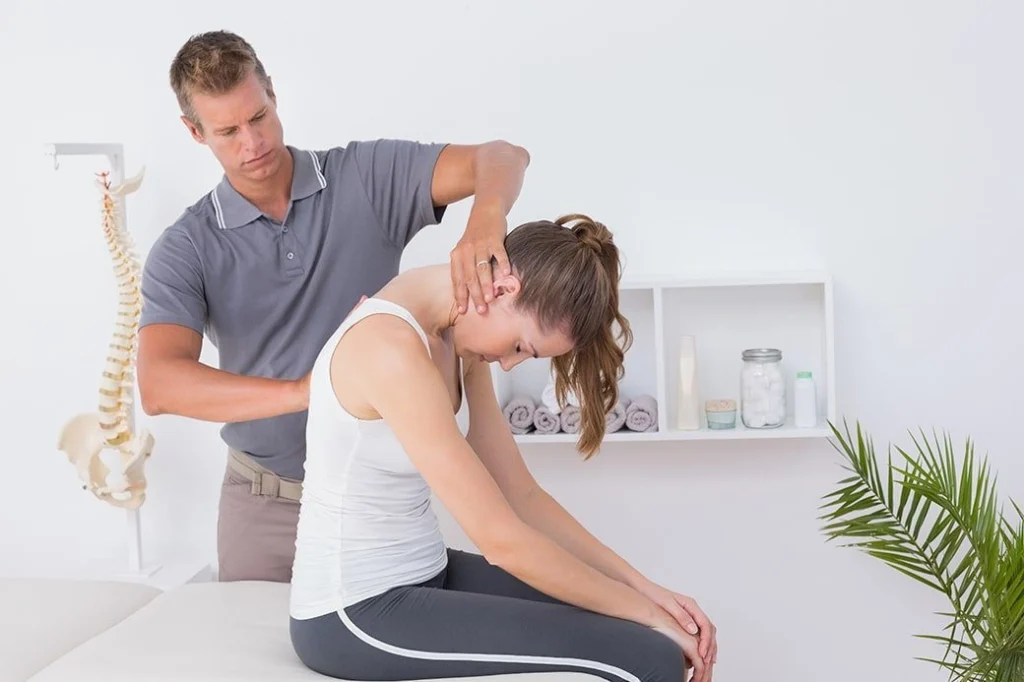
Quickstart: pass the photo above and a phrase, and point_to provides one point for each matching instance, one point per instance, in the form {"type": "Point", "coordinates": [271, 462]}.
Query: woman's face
{"type": "Point", "coordinates": [503, 334]}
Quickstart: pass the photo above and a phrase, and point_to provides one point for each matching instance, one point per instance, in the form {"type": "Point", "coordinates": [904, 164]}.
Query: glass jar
{"type": "Point", "coordinates": [762, 389]}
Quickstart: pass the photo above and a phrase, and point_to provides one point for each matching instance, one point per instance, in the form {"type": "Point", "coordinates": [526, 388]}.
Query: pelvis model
{"type": "Point", "coordinates": [109, 456]}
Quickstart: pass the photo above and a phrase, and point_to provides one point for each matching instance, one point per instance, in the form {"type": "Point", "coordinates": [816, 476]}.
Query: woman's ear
{"type": "Point", "coordinates": [507, 286]}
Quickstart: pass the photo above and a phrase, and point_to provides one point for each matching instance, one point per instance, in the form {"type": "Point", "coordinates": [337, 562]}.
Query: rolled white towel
{"type": "Point", "coordinates": [519, 414]}
{"type": "Point", "coordinates": [547, 397]}
{"type": "Point", "coordinates": [642, 414]}
{"type": "Point", "coordinates": [570, 419]}
{"type": "Point", "coordinates": [545, 421]}
{"type": "Point", "coordinates": [615, 419]}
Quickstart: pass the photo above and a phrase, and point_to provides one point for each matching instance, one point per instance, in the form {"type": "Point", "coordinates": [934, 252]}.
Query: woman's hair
{"type": "Point", "coordinates": [570, 271]}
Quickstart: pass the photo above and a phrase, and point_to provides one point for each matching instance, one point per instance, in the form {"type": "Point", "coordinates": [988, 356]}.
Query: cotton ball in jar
{"type": "Point", "coordinates": [763, 388]}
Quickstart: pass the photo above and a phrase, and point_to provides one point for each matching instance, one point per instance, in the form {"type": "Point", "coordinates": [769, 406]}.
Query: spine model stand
{"type": "Point", "coordinates": [108, 454]}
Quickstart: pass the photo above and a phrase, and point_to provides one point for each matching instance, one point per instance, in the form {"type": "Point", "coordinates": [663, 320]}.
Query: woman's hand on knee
{"type": "Point", "coordinates": [688, 643]}
{"type": "Point", "coordinates": [688, 615]}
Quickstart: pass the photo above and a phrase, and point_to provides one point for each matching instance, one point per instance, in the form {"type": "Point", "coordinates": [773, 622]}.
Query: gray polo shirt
{"type": "Point", "coordinates": [268, 295]}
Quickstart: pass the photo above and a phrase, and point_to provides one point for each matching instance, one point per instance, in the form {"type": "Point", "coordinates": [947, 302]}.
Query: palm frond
{"type": "Point", "coordinates": [935, 517]}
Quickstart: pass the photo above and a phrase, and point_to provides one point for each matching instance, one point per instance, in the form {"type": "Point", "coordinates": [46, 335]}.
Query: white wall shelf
{"type": "Point", "coordinates": [791, 311]}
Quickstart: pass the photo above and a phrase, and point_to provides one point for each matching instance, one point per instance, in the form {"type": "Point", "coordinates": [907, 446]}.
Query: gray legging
{"type": "Point", "coordinates": [476, 619]}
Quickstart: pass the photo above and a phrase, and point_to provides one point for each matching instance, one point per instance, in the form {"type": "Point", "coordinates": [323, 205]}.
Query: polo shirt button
{"type": "Point", "coordinates": [284, 229]}
{"type": "Point", "coordinates": [290, 255]}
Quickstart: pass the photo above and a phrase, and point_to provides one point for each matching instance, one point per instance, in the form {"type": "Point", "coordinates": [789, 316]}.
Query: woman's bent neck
{"type": "Point", "coordinates": [426, 292]}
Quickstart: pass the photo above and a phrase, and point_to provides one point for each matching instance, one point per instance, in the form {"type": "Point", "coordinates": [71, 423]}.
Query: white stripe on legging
{"type": "Point", "coordinates": [488, 658]}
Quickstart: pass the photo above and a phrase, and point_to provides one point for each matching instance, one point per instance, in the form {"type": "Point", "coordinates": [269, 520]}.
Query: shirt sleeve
{"type": "Point", "coordinates": [397, 176]}
{"type": "Point", "coordinates": [172, 283]}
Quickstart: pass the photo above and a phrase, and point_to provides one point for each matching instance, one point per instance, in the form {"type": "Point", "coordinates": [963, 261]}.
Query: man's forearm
{"type": "Point", "coordinates": [544, 513]}
{"type": "Point", "coordinates": [192, 389]}
{"type": "Point", "coordinates": [499, 169]}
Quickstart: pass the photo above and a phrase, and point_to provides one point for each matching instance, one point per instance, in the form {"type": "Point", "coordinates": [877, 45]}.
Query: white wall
{"type": "Point", "coordinates": [879, 141]}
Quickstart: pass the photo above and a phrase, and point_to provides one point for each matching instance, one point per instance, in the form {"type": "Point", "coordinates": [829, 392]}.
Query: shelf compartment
{"type": "Point", "coordinates": [726, 314]}
{"type": "Point", "coordinates": [793, 316]}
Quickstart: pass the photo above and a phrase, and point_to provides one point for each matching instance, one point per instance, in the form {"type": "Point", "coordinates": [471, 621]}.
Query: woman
{"type": "Point", "coordinates": [376, 594]}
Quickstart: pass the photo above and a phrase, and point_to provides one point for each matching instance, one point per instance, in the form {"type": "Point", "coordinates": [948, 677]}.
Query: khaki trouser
{"type": "Point", "coordinates": [256, 524]}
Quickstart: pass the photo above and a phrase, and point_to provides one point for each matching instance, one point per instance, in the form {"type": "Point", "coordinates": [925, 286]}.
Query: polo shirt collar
{"type": "Point", "coordinates": [233, 210]}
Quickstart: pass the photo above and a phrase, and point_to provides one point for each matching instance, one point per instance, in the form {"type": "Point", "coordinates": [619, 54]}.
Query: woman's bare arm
{"type": "Point", "coordinates": [492, 441]}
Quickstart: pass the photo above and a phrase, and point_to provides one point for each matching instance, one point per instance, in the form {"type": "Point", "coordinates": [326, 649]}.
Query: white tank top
{"type": "Point", "coordinates": [366, 523]}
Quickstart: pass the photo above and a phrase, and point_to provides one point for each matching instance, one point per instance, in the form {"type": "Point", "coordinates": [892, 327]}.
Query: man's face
{"type": "Point", "coordinates": [242, 129]}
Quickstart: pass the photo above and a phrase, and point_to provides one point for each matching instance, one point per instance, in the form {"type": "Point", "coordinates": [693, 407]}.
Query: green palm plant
{"type": "Point", "coordinates": [934, 516]}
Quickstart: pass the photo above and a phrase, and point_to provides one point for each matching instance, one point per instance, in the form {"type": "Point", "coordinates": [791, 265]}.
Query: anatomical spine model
{"type": "Point", "coordinates": [110, 458]}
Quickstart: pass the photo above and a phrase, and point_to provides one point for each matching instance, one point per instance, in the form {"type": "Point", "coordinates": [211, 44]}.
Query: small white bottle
{"type": "Point", "coordinates": [688, 412]}
{"type": "Point", "coordinates": [805, 401]}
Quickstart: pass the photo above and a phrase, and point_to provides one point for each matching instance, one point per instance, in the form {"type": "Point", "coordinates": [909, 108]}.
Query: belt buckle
{"type": "Point", "coordinates": [261, 487]}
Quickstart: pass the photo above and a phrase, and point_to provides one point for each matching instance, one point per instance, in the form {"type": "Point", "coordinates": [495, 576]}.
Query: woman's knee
{"type": "Point", "coordinates": [662, 659]}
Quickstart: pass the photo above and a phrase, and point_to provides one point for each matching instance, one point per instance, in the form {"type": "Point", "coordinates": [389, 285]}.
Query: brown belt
{"type": "Point", "coordinates": [264, 481]}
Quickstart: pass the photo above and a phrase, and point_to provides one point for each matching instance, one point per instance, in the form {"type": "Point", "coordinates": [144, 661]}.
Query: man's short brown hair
{"type": "Point", "coordinates": [212, 63]}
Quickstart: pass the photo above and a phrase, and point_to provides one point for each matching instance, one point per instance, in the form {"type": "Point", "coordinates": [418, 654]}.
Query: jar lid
{"type": "Point", "coordinates": [763, 354]}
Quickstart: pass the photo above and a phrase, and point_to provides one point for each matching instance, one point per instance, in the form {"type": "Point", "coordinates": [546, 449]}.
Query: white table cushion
{"type": "Point", "coordinates": [43, 618]}
{"type": "Point", "coordinates": [206, 632]}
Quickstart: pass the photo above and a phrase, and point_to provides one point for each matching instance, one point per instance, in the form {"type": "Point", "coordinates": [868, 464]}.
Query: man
{"type": "Point", "coordinates": [270, 261]}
